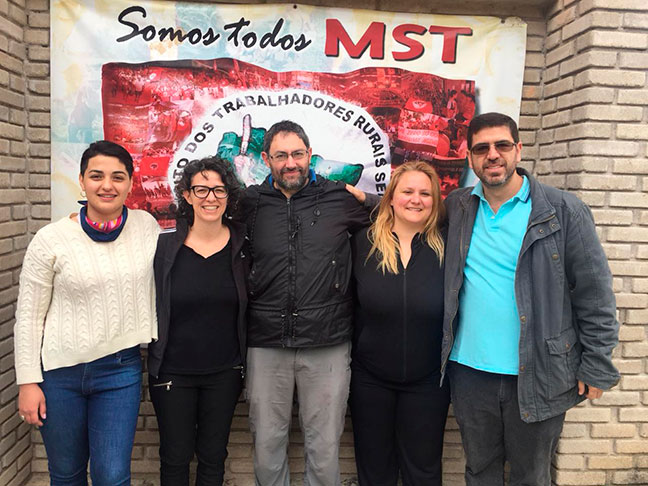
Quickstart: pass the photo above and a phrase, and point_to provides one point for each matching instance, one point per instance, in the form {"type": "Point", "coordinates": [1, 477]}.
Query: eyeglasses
{"type": "Point", "coordinates": [202, 192]}
{"type": "Point", "coordinates": [283, 156]}
{"type": "Point", "coordinates": [502, 146]}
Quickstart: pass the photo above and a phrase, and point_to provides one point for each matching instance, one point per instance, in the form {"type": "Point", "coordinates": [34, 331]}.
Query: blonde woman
{"type": "Point", "coordinates": [397, 406]}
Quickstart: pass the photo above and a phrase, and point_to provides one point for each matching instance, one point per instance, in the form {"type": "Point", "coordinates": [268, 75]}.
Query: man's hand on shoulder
{"type": "Point", "coordinates": [592, 391]}
{"type": "Point", "coordinates": [357, 193]}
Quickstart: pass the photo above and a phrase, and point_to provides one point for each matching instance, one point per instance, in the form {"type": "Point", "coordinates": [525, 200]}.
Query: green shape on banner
{"type": "Point", "coordinates": [229, 148]}
{"type": "Point", "coordinates": [337, 171]}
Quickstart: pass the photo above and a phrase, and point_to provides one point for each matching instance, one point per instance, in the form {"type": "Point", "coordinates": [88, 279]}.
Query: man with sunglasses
{"type": "Point", "coordinates": [530, 317]}
{"type": "Point", "coordinates": [300, 308]}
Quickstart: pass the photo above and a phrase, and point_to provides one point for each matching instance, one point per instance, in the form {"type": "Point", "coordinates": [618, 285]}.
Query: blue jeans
{"type": "Point", "coordinates": [92, 414]}
{"type": "Point", "coordinates": [486, 408]}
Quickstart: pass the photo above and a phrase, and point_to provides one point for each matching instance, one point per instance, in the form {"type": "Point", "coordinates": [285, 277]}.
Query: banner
{"type": "Point", "coordinates": [175, 81]}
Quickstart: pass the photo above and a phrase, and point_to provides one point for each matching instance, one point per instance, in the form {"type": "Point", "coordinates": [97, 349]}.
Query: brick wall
{"type": "Point", "coordinates": [593, 120]}
{"type": "Point", "coordinates": [24, 196]}
{"type": "Point", "coordinates": [584, 127]}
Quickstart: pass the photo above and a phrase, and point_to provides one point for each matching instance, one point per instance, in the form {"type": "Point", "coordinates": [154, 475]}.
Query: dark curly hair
{"type": "Point", "coordinates": [223, 168]}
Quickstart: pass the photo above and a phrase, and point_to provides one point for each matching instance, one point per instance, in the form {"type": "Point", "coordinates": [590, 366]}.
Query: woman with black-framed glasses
{"type": "Point", "coordinates": [196, 366]}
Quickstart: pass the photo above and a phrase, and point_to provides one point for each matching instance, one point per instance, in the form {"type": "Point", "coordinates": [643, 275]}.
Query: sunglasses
{"type": "Point", "coordinates": [502, 146]}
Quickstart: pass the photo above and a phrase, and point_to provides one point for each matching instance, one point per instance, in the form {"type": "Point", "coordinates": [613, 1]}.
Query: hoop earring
{"type": "Point", "coordinates": [83, 193]}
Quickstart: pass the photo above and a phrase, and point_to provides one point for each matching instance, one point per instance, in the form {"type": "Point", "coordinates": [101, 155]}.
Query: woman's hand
{"type": "Point", "coordinates": [31, 403]}
{"type": "Point", "coordinates": [357, 193]}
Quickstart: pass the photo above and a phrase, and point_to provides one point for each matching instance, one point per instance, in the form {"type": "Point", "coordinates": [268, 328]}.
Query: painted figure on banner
{"type": "Point", "coordinates": [523, 259]}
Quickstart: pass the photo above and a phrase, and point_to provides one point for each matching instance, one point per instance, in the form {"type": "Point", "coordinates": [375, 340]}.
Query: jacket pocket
{"type": "Point", "coordinates": [340, 271]}
{"type": "Point", "coordinates": [252, 281]}
{"type": "Point", "coordinates": [336, 270]}
{"type": "Point", "coordinates": [563, 361]}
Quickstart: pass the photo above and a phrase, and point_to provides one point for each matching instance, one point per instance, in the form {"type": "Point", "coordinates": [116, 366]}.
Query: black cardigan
{"type": "Point", "coordinates": [165, 255]}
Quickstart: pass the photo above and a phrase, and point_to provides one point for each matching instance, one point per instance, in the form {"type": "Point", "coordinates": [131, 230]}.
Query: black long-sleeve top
{"type": "Point", "coordinates": [398, 318]}
{"type": "Point", "coordinates": [203, 334]}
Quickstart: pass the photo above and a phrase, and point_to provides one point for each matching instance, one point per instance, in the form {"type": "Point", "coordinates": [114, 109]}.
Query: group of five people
{"type": "Point", "coordinates": [301, 286]}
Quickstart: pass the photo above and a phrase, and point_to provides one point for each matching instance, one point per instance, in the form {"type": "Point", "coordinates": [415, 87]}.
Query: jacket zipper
{"type": "Point", "coordinates": [405, 322]}
{"type": "Point", "coordinates": [241, 369]}
{"type": "Point", "coordinates": [168, 385]}
{"type": "Point", "coordinates": [292, 315]}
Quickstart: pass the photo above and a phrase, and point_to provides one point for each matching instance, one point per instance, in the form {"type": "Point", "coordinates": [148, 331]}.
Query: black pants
{"type": "Point", "coordinates": [398, 427]}
{"type": "Point", "coordinates": [487, 411]}
{"type": "Point", "coordinates": [194, 414]}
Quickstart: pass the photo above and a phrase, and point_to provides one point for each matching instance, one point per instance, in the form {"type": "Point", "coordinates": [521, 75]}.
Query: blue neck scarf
{"type": "Point", "coordinates": [97, 235]}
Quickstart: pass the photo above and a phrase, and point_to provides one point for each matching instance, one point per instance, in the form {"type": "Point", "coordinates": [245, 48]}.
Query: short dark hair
{"type": "Point", "coordinates": [214, 163]}
{"type": "Point", "coordinates": [110, 149]}
{"type": "Point", "coordinates": [284, 126]}
{"type": "Point", "coordinates": [488, 120]}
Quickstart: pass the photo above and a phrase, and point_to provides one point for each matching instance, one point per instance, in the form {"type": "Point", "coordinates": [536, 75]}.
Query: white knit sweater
{"type": "Point", "coordinates": [81, 300]}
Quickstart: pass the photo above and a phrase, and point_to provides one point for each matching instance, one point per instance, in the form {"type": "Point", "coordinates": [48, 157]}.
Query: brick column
{"type": "Point", "coordinates": [14, 210]}
{"type": "Point", "coordinates": [593, 142]}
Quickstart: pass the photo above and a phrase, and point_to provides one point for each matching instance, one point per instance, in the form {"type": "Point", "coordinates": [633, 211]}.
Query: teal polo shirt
{"type": "Point", "coordinates": [489, 327]}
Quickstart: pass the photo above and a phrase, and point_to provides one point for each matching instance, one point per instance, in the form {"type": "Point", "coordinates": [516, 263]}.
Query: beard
{"type": "Point", "coordinates": [496, 181]}
{"type": "Point", "coordinates": [293, 184]}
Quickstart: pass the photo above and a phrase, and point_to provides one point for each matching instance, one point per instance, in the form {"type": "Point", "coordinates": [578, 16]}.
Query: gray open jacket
{"type": "Point", "coordinates": [563, 291]}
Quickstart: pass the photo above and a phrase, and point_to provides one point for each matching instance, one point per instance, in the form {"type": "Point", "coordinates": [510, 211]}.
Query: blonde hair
{"type": "Point", "coordinates": [383, 242]}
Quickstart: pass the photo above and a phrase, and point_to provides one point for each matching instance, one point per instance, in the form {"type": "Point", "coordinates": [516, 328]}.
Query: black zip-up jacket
{"type": "Point", "coordinates": [301, 263]}
{"type": "Point", "coordinates": [398, 318]}
{"type": "Point", "coordinates": [167, 249]}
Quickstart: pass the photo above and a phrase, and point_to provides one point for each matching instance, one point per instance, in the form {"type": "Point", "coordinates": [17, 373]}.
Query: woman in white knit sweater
{"type": "Point", "coordinates": [86, 303]}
